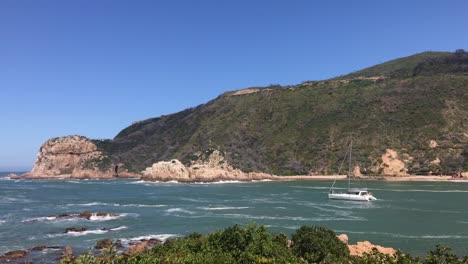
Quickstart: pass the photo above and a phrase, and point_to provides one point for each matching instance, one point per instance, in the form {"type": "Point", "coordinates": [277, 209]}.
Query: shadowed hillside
{"type": "Point", "coordinates": [417, 106]}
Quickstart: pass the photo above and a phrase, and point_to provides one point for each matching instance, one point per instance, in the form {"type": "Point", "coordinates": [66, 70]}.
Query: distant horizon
{"type": "Point", "coordinates": [94, 68]}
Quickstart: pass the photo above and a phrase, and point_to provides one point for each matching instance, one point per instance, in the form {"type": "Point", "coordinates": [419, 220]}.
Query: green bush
{"type": "Point", "coordinates": [254, 244]}
{"type": "Point", "coordinates": [318, 244]}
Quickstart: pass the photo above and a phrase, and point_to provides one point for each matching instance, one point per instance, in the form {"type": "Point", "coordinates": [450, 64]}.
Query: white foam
{"type": "Point", "coordinates": [422, 190]}
{"type": "Point", "coordinates": [95, 204]}
{"type": "Point", "coordinates": [2, 221]}
{"type": "Point", "coordinates": [287, 218]}
{"type": "Point", "coordinates": [396, 235]}
{"type": "Point", "coordinates": [143, 205]}
{"type": "Point", "coordinates": [162, 237]}
{"type": "Point", "coordinates": [88, 232]}
{"type": "Point", "coordinates": [107, 217]}
{"type": "Point", "coordinates": [75, 217]}
{"type": "Point", "coordinates": [223, 208]}
{"type": "Point", "coordinates": [179, 210]}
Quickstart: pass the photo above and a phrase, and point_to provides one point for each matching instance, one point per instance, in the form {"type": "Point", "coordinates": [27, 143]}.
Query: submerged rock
{"type": "Point", "coordinates": [142, 245]}
{"type": "Point", "coordinates": [104, 244]}
{"type": "Point", "coordinates": [12, 255]}
{"type": "Point", "coordinates": [75, 229]}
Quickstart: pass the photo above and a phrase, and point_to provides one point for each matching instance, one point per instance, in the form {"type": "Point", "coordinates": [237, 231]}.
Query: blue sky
{"type": "Point", "coordinates": [93, 67]}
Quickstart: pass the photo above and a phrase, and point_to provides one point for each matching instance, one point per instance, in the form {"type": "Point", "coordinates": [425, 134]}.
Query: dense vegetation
{"type": "Point", "coordinates": [254, 244]}
{"type": "Point", "coordinates": [402, 105]}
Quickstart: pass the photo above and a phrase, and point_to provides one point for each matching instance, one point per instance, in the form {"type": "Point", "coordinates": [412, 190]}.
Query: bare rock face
{"type": "Point", "coordinates": [166, 171]}
{"type": "Point", "coordinates": [366, 247]}
{"type": "Point", "coordinates": [206, 169]}
{"type": "Point", "coordinates": [343, 238]}
{"type": "Point", "coordinates": [71, 157]}
{"type": "Point", "coordinates": [392, 165]}
{"type": "Point", "coordinates": [357, 171]}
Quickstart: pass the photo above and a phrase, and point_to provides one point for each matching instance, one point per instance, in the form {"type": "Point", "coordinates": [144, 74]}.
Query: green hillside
{"type": "Point", "coordinates": [401, 105]}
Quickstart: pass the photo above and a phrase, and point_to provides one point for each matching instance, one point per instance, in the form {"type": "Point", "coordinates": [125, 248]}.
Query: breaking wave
{"type": "Point", "coordinates": [396, 235]}
{"type": "Point", "coordinates": [223, 208]}
{"type": "Point", "coordinates": [88, 232]}
{"type": "Point", "coordinates": [179, 210]}
{"type": "Point", "coordinates": [162, 237]}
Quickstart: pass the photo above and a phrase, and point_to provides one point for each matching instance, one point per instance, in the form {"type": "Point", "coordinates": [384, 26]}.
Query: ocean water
{"type": "Point", "coordinates": [412, 216]}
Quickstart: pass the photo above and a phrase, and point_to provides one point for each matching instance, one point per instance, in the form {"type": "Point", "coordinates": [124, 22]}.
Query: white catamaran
{"type": "Point", "coordinates": [353, 194]}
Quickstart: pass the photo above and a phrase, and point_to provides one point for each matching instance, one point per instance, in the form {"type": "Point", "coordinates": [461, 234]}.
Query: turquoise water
{"type": "Point", "coordinates": [412, 216]}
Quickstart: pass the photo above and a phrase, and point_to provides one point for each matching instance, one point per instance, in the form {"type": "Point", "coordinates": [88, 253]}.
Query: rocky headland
{"type": "Point", "coordinates": [406, 117]}
{"type": "Point", "coordinates": [74, 157]}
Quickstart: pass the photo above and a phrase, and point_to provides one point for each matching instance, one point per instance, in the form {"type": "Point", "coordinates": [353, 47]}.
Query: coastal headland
{"type": "Point", "coordinates": [405, 117]}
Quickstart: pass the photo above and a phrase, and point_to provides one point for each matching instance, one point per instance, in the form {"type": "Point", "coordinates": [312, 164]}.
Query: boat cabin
{"type": "Point", "coordinates": [360, 192]}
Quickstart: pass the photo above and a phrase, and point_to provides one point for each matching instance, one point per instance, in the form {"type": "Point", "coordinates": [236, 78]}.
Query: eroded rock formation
{"type": "Point", "coordinates": [74, 157]}
{"type": "Point", "coordinates": [392, 165]}
{"type": "Point", "coordinates": [212, 167]}
{"type": "Point", "coordinates": [362, 247]}
{"type": "Point", "coordinates": [71, 157]}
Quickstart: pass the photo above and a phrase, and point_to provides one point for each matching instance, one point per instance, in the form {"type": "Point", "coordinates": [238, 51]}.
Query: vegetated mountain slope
{"type": "Point", "coordinates": [417, 106]}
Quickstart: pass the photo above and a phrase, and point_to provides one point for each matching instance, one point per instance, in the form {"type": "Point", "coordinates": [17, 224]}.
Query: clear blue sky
{"type": "Point", "coordinates": [93, 67]}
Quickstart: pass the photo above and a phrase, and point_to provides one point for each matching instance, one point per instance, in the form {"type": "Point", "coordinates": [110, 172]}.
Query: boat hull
{"type": "Point", "coordinates": [351, 197]}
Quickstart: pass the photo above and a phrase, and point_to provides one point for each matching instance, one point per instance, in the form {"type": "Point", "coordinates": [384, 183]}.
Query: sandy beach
{"type": "Point", "coordinates": [421, 178]}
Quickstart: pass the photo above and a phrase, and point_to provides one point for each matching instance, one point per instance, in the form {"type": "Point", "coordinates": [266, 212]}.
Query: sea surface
{"type": "Point", "coordinates": [412, 216]}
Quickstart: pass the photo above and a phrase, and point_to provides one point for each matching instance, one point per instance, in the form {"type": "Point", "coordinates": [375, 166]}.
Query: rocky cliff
{"type": "Point", "coordinates": [407, 116]}
{"type": "Point", "coordinates": [73, 157]}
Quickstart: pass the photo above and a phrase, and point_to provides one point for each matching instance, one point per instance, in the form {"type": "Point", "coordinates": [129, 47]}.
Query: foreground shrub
{"type": "Point", "coordinates": [319, 244]}
{"type": "Point", "coordinates": [254, 244]}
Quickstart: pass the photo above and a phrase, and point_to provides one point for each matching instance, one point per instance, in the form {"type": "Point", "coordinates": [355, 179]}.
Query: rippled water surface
{"type": "Point", "coordinates": [412, 216]}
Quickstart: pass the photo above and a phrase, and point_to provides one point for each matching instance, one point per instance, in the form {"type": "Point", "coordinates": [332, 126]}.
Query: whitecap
{"type": "Point", "coordinates": [95, 204]}
{"type": "Point", "coordinates": [107, 217]}
{"type": "Point", "coordinates": [396, 235]}
{"type": "Point", "coordinates": [179, 210]}
{"type": "Point", "coordinates": [143, 205]}
{"type": "Point", "coordinates": [162, 237]}
{"type": "Point", "coordinates": [87, 232]}
{"type": "Point", "coordinates": [223, 208]}
{"type": "Point", "coordinates": [422, 190]}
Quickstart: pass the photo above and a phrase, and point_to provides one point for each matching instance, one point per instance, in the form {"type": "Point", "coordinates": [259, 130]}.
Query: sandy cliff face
{"type": "Point", "coordinates": [212, 168]}
{"type": "Point", "coordinates": [71, 156]}
{"type": "Point", "coordinates": [392, 165]}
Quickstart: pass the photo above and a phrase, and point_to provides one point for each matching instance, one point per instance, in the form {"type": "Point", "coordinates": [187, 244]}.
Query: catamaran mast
{"type": "Point", "coordinates": [349, 168]}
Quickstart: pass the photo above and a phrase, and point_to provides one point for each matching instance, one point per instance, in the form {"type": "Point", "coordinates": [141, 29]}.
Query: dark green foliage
{"type": "Point", "coordinates": [253, 244]}
{"type": "Point", "coordinates": [376, 257]}
{"type": "Point", "coordinates": [304, 128]}
{"type": "Point", "coordinates": [318, 244]}
{"type": "Point", "coordinates": [443, 255]}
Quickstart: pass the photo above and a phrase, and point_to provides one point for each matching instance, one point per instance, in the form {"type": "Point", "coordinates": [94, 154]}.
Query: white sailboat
{"type": "Point", "coordinates": [353, 194]}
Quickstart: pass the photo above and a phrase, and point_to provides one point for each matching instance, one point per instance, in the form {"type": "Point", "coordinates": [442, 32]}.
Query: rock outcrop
{"type": "Point", "coordinates": [391, 164]}
{"type": "Point", "coordinates": [71, 157]}
{"type": "Point", "coordinates": [206, 168]}
{"type": "Point", "coordinates": [360, 248]}
{"type": "Point", "coordinates": [366, 247]}
{"type": "Point", "coordinates": [167, 171]}
{"type": "Point", "coordinates": [74, 157]}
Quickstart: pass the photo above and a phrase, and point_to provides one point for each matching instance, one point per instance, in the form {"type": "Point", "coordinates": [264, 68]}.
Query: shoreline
{"type": "Point", "coordinates": [409, 178]}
